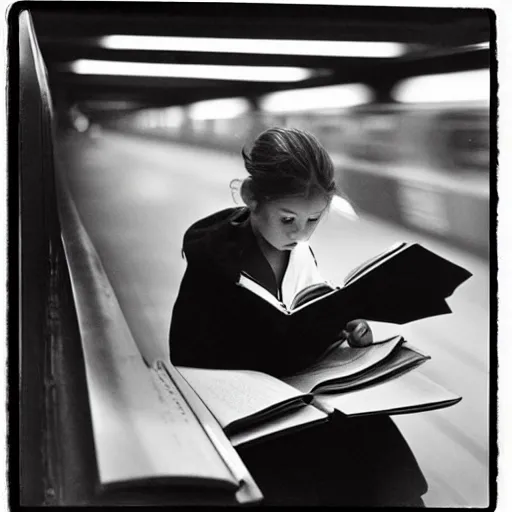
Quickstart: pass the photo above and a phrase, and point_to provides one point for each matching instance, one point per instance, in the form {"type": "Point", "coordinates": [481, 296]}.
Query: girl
{"type": "Point", "coordinates": [289, 189]}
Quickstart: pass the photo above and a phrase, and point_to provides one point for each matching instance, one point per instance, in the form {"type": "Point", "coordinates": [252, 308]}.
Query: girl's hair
{"type": "Point", "coordinates": [287, 162]}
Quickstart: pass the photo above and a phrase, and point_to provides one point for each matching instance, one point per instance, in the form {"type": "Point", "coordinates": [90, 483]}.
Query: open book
{"type": "Point", "coordinates": [413, 281]}
{"type": "Point", "coordinates": [252, 405]}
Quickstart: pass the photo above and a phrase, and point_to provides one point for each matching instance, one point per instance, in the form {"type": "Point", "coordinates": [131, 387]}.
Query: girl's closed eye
{"type": "Point", "coordinates": [289, 220]}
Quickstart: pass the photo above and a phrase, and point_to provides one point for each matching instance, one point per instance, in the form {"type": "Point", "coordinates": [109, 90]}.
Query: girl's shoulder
{"type": "Point", "coordinates": [215, 241]}
{"type": "Point", "coordinates": [217, 219]}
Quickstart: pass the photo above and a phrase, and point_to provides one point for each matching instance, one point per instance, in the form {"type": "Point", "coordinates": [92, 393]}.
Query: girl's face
{"type": "Point", "coordinates": [285, 222]}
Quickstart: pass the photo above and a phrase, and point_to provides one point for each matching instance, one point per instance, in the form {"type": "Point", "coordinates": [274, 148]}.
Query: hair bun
{"type": "Point", "coordinates": [287, 162]}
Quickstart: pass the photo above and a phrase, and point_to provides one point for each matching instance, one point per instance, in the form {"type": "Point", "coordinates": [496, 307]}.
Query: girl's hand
{"type": "Point", "coordinates": [358, 333]}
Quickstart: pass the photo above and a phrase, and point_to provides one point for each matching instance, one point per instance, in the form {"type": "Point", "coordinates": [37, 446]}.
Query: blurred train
{"type": "Point", "coordinates": [421, 165]}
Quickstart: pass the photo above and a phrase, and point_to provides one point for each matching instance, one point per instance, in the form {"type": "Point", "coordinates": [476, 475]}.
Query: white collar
{"type": "Point", "coordinates": [301, 271]}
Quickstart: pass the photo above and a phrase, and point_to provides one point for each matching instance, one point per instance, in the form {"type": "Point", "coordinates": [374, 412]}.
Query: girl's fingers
{"type": "Point", "coordinates": [353, 324]}
{"type": "Point", "coordinates": [361, 336]}
{"type": "Point", "coordinates": [357, 333]}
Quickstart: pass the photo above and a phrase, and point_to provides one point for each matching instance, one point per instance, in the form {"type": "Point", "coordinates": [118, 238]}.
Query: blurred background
{"type": "Point", "coordinates": [154, 103]}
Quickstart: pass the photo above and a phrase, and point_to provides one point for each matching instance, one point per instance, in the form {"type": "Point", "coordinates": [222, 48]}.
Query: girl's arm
{"type": "Point", "coordinates": [197, 324]}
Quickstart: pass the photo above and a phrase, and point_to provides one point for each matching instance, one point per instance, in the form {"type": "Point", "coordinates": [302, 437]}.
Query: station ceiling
{"type": "Point", "coordinates": [437, 39]}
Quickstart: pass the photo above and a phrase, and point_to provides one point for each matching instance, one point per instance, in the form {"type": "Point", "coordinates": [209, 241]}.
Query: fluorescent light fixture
{"type": "Point", "coordinates": [212, 72]}
{"type": "Point", "coordinates": [111, 104]}
{"type": "Point", "coordinates": [377, 49]}
{"type": "Point", "coordinates": [459, 86]}
{"type": "Point", "coordinates": [313, 98]}
{"type": "Point", "coordinates": [174, 116]}
{"type": "Point", "coordinates": [224, 108]}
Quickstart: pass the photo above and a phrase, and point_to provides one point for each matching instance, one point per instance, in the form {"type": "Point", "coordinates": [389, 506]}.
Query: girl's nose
{"type": "Point", "coordinates": [298, 233]}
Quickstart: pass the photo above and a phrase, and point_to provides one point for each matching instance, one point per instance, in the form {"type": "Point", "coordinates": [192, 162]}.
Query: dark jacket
{"type": "Point", "coordinates": [360, 461]}
{"type": "Point", "coordinates": [217, 324]}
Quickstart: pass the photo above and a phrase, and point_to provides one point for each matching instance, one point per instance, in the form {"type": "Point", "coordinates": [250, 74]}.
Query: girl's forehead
{"type": "Point", "coordinates": [300, 205]}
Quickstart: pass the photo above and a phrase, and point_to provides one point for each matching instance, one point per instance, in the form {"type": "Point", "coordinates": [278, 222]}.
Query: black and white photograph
{"type": "Point", "coordinates": [257, 252]}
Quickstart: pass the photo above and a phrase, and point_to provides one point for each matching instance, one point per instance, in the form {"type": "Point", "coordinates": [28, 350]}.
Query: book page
{"type": "Point", "coordinates": [310, 293]}
{"type": "Point", "coordinates": [232, 395]}
{"type": "Point", "coordinates": [398, 362]}
{"type": "Point", "coordinates": [342, 361]}
{"type": "Point", "coordinates": [410, 392]}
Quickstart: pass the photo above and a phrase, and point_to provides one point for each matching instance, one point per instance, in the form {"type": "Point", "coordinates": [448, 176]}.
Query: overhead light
{"type": "Point", "coordinates": [313, 98]}
{"type": "Point", "coordinates": [112, 104]}
{"type": "Point", "coordinates": [213, 72]}
{"type": "Point", "coordinates": [458, 86]}
{"type": "Point", "coordinates": [224, 108]}
{"type": "Point", "coordinates": [376, 49]}
{"type": "Point", "coordinates": [174, 116]}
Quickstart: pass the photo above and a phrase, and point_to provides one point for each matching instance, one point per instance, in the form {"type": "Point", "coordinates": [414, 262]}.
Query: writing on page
{"type": "Point", "coordinates": [235, 394]}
